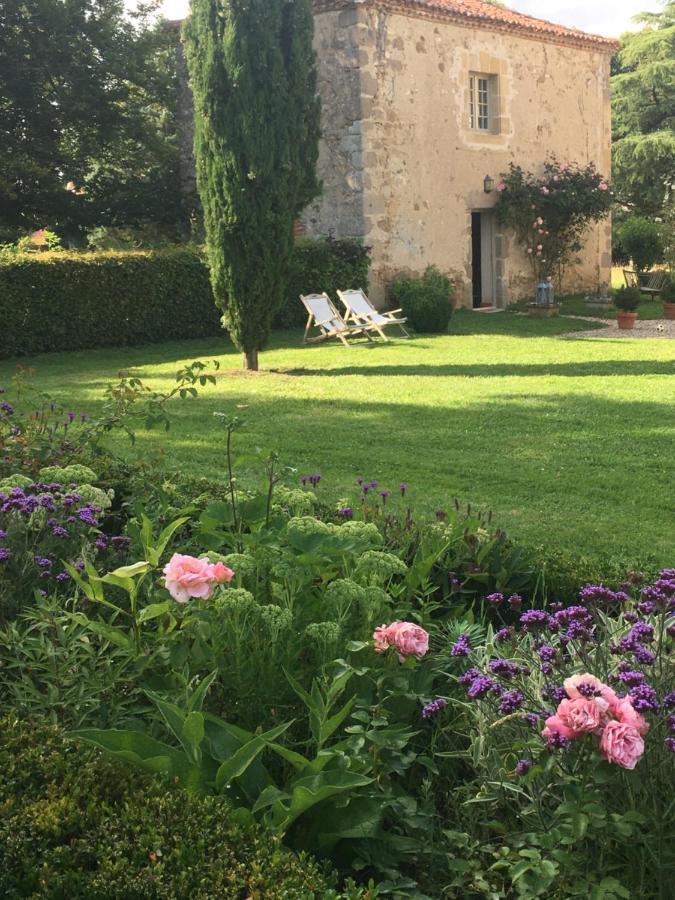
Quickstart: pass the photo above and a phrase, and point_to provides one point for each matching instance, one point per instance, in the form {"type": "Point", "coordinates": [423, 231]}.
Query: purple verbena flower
{"type": "Point", "coordinates": [503, 634]}
{"type": "Point", "coordinates": [479, 687]}
{"type": "Point", "coordinates": [5, 554]}
{"type": "Point", "coordinates": [463, 645]}
{"type": "Point", "coordinates": [515, 601]}
{"type": "Point", "coordinates": [430, 710]}
{"type": "Point", "coordinates": [556, 741]}
{"type": "Point", "coordinates": [345, 512]}
{"type": "Point", "coordinates": [403, 487]}
{"type": "Point", "coordinates": [62, 576]}
{"type": "Point", "coordinates": [523, 766]}
{"type": "Point", "coordinates": [495, 599]}
{"type": "Point", "coordinates": [505, 668]}
{"type": "Point", "coordinates": [59, 532]}
{"type": "Point", "coordinates": [643, 697]}
{"type": "Point", "coordinates": [511, 701]}
{"type": "Point", "coordinates": [469, 676]}
{"type": "Point", "coordinates": [533, 618]}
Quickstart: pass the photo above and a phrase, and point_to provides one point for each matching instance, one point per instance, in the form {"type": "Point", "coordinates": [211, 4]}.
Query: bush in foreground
{"type": "Point", "coordinates": [76, 825]}
{"type": "Point", "coordinates": [425, 301]}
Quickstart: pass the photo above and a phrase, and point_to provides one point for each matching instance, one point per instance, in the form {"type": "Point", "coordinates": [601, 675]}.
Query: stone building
{"type": "Point", "coordinates": [422, 99]}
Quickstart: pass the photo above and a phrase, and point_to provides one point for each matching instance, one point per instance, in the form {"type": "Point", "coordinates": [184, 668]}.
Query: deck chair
{"type": "Point", "coordinates": [360, 311]}
{"type": "Point", "coordinates": [324, 316]}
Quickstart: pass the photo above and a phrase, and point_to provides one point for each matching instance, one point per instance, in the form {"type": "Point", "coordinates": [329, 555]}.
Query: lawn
{"type": "Point", "coordinates": [568, 440]}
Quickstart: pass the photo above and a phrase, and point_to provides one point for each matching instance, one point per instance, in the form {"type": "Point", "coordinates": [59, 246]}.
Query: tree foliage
{"type": "Point", "coordinates": [87, 127]}
{"type": "Point", "coordinates": [257, 118]}
{"type": "Point", "coordinates": [643, 88]}
{"type": "Point", "coordinates": [551, 213]}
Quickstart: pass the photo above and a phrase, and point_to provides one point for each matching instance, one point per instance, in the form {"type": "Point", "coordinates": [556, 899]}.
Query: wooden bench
{"type": "Point", "coordinates": [649, 283]}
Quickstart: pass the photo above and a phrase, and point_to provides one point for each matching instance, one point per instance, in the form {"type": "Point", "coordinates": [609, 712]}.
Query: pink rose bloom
{"type": "Point", "coordinates": [621, 744]}
{"type": "Point", "coordinates": [529, 249]}
{"type": "Point", "coordinates": [583, 716]}
{"type": "Point", "coordinates": [627, 715]}
{"type": "Point", "coordinates": [539, 247]}
{"type": "Point", "coordinates": [406, 637]}
{"type": "Point", "coordinates": [545, 190]}
{"type": "Point", "coordinates": [222, 574]}
{"type": "Point", "coordinates": [187, 577]}
{"type": "Point", "coordinates": [572, 691]}
{"type": "Point", "coordinates": [604, 187]}
{"type": "Point", "coordinates": [501, 187]}
{"type": "Point", "coordinates": [555, 725]}
{"type": "Point", "coordinates": [381, 638]}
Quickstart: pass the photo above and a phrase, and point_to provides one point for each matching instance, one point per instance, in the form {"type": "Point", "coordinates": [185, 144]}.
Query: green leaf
{"type": "Point", "coordinates": [139, 568]}
{"type": "Point", "coordinates": [306, 792]}
{"type": "Point", "coordinates": [192, 734]}
{"type": "Point", "coordinates": [167, 534]}
{"type": "Point", "coordinates": [242, 759]}
{"type": "Point", "coordinates": [146, 753]}
{"type": "Point", "coordinates": [196, 699]}
{"type": "Point", "coordinates": [332, 724]}
{"type": "Point", "coordinates": [109, 632]}
{"type": "Point", "coordinates": [154, 610]}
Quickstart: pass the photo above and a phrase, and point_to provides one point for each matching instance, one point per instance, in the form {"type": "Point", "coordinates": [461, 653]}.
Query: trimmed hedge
{"type": "Point", "coordinates": [426, 301]}
{"type": "Point", "coordinates": [77, 825]}
{"type": "Point", "coordinates": [77, 301]}
{"type": "Point", "coordinates": [318, 266]}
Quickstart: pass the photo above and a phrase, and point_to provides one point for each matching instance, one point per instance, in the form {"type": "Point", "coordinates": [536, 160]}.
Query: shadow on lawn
{"type": "Point", "coordinates": [620, 368]}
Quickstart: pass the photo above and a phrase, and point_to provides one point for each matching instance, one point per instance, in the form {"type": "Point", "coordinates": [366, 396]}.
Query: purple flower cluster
{"type": "Point", "coordinates": [598, 594]}
{"type": "Point", "coordinates": [346, 512]}
{"type": "Point", "coordinates": [462, 647]}
{"type": "Point", "coordinates": [430, 710]}
{"type": "Point", "coordinates": [511, 701]}
{"type": "Point", "coordinates": [311, 479]}
{"type": "Point", "coordinates": [506, 668]}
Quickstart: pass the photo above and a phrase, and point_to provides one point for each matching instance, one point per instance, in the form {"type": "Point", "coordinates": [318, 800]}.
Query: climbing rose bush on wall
{"type": "Point", "coordinates": [550, 213]}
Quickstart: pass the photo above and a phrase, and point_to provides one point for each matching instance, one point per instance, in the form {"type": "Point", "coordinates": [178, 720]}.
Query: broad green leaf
{"type": "Point", "coordinates": [196, 699]}
{"type": "Point", "coordinates": [242, 759]}
{"type": "Point", "coordinates": [308, 791]}
{"type": "Point", "coordinates": [126, 584]}
{"type": "Point", "coordinates": [192, 735]}
{"type": "Point", "coordinates": [109, 632]}
{"type": "Point", "coordinates": [146, 753]}
{"type": "Point", "coordinates": [269, 797]}
{"type": "Point", "coordinates": [139, 568]}
{"type": "Point", "coordinates": [332, 724]}
{"type": "Point", "coordinates": [154, 610]}
{"type": "Point", "coordinates": [167, 534]}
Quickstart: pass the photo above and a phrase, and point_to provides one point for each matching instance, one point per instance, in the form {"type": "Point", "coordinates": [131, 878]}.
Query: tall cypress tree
{"type": "Point", "coordinates": [257, 123]}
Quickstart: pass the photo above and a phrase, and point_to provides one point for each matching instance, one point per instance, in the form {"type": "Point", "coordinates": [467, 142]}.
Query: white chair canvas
{"type": "Point", "coordinates": [360, 311]}
{"type": "Point", "coordinates": [324, 316]}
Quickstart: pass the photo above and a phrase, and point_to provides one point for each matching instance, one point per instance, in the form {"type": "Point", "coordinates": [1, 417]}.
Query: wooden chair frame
{"type": "Point", "coordinates": [332, 325]}
{"type": "Point", "coordinates": [367, 316]}
{"type": "Point", "coordinates": [648, 283]}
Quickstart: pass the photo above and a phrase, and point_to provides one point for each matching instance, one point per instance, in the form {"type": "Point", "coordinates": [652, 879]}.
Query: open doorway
{"type": "Point", "coordinates": [483, 280]}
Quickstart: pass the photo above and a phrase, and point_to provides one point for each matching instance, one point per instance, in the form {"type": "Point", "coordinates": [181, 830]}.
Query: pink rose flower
{"type": "Point", "coordinates": [501, 187]}
{"type": "Point", "coordinates": [545, 190]}
{"type": "Point", "coordinates": [187, 577]}
{"type": "Point", "coordinates": [627, 715]}
{"type": "Point", "coordinates": [555, 725]}
{"type": "Point", "coordinates": [603, 186]}
{"type": "Point", "coordinates": [222, 574]}
{"type": "Point", "coordinates": [621, 744]}
{"type": "Point", "coordinates": [406, 638]}
{"type": "Point", "coordinates": [583, 716]}
{"type": "Point", "coordinates": [529, 249]}
{"type": "Point", "coordinates": [572, 691]}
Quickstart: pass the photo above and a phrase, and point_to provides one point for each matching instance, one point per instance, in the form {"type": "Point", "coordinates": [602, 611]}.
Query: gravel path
{"type": "Point", "coordinates": [647, 328]}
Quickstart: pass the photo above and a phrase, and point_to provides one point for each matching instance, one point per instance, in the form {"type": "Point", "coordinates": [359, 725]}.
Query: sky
{"type": "Point", "coordinates": [609, 17]}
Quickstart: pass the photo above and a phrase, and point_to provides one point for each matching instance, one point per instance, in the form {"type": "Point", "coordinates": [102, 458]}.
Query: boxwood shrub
{"type": "Point", "coordinates": [76, 825]}
{"type": "Point", "coordinates": [425, 301]}
{"type": "Point", "coordinates": [76, 301]}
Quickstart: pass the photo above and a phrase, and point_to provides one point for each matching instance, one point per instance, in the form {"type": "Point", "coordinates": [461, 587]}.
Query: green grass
{"type": "Point", "coordinates": [575, 306]}
{"type": "Point", "coordinates": [568, 440]}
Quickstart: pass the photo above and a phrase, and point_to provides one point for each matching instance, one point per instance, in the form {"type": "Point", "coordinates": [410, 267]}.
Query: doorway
{"type": "Point", "coordinates": [483, 281]}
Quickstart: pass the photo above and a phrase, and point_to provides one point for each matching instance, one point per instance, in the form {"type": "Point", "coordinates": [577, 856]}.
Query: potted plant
{"type": "Point", "coordinates": [626, 300]}
{"type": "Point", "coordinates": [668, 299]}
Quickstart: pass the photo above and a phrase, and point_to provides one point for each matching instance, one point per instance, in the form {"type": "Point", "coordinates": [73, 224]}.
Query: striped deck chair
{"type": "Point", "coordinates": [324, 316]}
{"type": "Point", "coordinates": [360, 311]}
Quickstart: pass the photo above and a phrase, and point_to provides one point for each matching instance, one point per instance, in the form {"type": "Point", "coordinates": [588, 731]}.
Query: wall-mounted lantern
{"type": "Point", "coordinates": [488, 184]}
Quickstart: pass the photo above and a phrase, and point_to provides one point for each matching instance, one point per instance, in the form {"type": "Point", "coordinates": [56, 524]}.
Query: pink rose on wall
{"type": "Point", "coordinates": [501, 187]}
{"type": "Point", "coordinates": [187, 577]}
{"type": "Point", "coordinates": [621, 744]}
{"type": "Point", "coordinates": [406, 638]}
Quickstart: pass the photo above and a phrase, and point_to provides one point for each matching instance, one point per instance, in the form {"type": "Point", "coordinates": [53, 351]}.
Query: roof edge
{"type": "Point", "coordinates": [429, 9]}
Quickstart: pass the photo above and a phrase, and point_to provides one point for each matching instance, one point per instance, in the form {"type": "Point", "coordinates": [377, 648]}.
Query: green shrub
{"type": "Point", "coordinates": [70, 301]}
{"type": "Point", "coordinates": [76, 825]}
{"type": "Point", "coordinates": [668, 290]}
{"type": "Point", "coordinates": [641, 240]}
{"type": "Point", "coordinates": [425, 301]}
{"type": "Point", "coordinates": [627, 298]}
{"type": "Point", "coordinates": [76, 301]}
{"type": "Point", "coordinates": [318, 266]}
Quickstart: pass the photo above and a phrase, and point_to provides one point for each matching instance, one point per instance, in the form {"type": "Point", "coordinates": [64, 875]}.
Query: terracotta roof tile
{"type": "Point", "coordinates": [496, 17]}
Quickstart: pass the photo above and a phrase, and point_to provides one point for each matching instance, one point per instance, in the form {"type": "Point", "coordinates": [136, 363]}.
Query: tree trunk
{"type": "Point", "coordinates": [251, 360]}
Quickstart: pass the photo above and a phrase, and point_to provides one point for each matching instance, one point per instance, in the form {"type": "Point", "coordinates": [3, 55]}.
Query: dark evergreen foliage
{"type": "Point", "coordinates": [257, 120]}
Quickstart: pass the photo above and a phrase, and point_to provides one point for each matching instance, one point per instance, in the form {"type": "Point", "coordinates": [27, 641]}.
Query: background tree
{"type": "Point", "coordinates": [87, 98]}
{"type": "Point", "coordinates": [257, 120]}
{"type": "Point", "coordinates": [643, 89]}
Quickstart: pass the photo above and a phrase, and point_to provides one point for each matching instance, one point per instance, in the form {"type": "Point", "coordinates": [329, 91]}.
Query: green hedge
{"type": "Point", "coordinates": [318, 266]}
{"type": "Point", "coordinates": [76, 301]}
{"type": "Point", "coordinates": [426, 301]}
{"type": "Point", "coordinates": [76, 825]}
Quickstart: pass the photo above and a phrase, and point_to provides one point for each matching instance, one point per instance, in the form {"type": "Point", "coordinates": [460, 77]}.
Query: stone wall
{"type": "Point", "coordinates": [401, 167]}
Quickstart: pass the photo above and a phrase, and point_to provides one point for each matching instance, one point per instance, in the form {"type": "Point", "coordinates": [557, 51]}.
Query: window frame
{"type": "Point", "coordinates": [484, 103]}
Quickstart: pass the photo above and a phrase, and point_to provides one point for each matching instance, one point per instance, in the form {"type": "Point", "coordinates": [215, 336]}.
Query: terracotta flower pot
{"type": "Point", "coordinates": [626, 320]}
{"type": "Point", "coordinates": [669, 311]}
